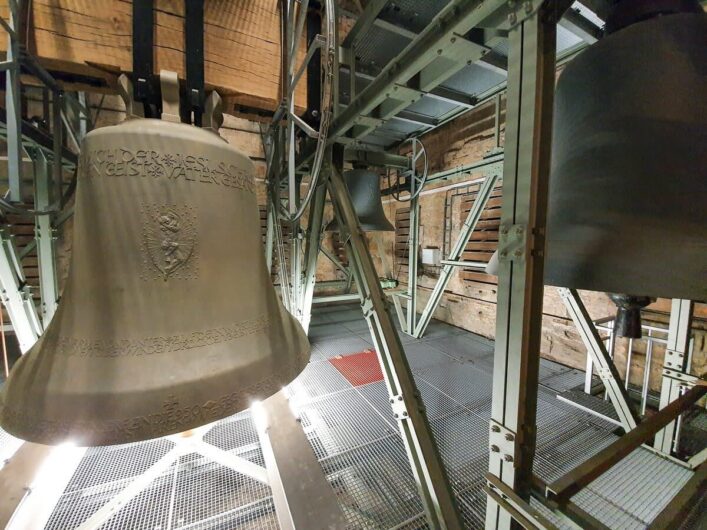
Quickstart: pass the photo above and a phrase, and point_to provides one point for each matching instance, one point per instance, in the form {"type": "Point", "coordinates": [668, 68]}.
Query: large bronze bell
{"type": "Point", "coordinates": [364, 187]}
{"type": "Point", "coordinates": [628, 183]}
{"type": "Point", "coordinates": [168, 319]}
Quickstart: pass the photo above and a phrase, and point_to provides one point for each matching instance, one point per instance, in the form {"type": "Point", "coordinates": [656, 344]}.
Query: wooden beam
{"type": "Point", "coordinates": [241, 43]}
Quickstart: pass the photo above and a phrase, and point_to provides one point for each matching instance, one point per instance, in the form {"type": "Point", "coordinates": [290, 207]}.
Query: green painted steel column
{"type": "Point", "coordinates": [512, 432]}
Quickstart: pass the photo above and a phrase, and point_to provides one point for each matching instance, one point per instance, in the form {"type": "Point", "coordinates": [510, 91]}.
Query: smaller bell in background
{"type": "Point", "coordinates": [364, 187]}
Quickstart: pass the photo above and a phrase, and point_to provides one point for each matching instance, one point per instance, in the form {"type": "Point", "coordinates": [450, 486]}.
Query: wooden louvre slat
{"type": "Point", "coordinates": [484, 240]}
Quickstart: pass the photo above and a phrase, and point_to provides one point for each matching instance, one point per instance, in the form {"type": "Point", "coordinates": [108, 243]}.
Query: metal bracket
{"type": "Point", "coordinates": [603, 372]}
{"type": "Point", "coordinates": [503, 442]}
{"type": "Point", "coordinates": [512, 243]}
{"type": "Point", "coordinates": [367, 307]}
{"type": "Point", "coordinates": [400, 410]}
{"type": "Point", "coordinates": [675, 360]}
{"type": "Point", "coordinates": [521, 10]}
{"type": "Point", "coordinates": [682, 377]}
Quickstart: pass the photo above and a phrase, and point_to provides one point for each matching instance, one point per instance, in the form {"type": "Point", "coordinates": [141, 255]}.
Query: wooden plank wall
{"type": "Point", "coordinates": [401, 248]}
{"type": "Point", "coordinates": [93, 38]}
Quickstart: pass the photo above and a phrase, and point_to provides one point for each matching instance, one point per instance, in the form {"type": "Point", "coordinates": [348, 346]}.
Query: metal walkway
{"type": "Point", "coordinates": [344, 409]}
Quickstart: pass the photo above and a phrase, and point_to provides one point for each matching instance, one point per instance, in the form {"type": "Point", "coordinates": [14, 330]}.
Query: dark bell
{"type": "Point", "coordinates": [628, 177]}
{"type": "Point", "coordinates": [628, 314]}
{"type": "Point", "coordinates": [364, 187]}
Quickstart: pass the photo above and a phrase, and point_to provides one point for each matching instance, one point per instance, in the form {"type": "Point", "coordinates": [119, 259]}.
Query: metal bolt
{"type": "Point", "coordinates": [504, 230]}
{"type": "Point", "coordinates": [512, 18]}
{"type": "Point", "coordinates": [508, 458]}
{"type": "Point", "coordinates": [439, 52]}
{"type": "Point", "coordinates": [509, 437]}
{"type": "Point", "coordinates": [528, 7]}
{"type": "Point", "coordinates": [518, 252]}
{"type": "Point", "coordinates": [400, 398]}
{"type": "Point", "coordinates": [504, 254]}
{"type": "Point", "coordinates": [405, 413]}
{"type": "Point", "coordinates": [495, 449]}
{"type": "Point", "coordinates": [453, 39]}
{"type": "Point", "coordinates": [392, 400]}
{"type": "Point", "coordinates": [469, 63]}
{"type": "Point", "coordinates": [495, 428]}
{"type": "Point", "coordinates": [519, 230]}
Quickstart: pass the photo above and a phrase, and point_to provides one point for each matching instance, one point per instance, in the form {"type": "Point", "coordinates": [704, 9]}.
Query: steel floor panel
{"type": "Point", "coordinates": [341, 346]}
{"type": "Point", "coordinates": [356, 439]}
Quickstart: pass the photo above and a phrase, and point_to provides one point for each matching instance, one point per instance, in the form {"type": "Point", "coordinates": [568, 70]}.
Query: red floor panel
{"type": "Point", "coordinates": [359, 368]}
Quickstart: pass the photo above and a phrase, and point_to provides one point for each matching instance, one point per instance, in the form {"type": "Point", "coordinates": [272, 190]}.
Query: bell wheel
{"type": "Point", "coordinates": [409, 182]}
{"type": "Point", "coordinates": [296, 142]}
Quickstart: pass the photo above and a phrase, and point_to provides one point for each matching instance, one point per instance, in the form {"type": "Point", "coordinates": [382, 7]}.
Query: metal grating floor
{"type": "Point", "coordinates": [356, 440]}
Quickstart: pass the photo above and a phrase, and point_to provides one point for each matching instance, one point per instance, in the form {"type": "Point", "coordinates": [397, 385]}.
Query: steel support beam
{"type": "Point", "coordinates": [302, 495]}
{"type": "Point", "coordinates": [377, 158]}
{"type": "Point", "coordinates": [406, 401]}
{"type": "Point", "coordinates": [457, 18]}
{"type": "Point", "coordinates": [519, 508]}
{"type": "Point", "coordinates": [32, 481]}
{"type": "Point", "coordinates": [388, 266]}
{"type": "Point", "coordinates": [16, 294]}
{"type": "Point", "coordinates": [569, 512]}
{"type": "Point", "coordinates": [676, 359]}
{"type": "Point", "coordinates": [531, 77]}
{"type": "Point", "coordinates": [413, 243]}
{"type": "Point", "coordinates": [311, 252]}
{"type": "Point", "coordinates": [363, 23]}
{"type": "Point", "coordinates": [575, 23]}
{"type": "Point", "coordinates": [45, 234]}
{"type": "Point", "coordinates": [13, 104]}
{"type": "Point", "coordinates": [271, 219]}
{"type": "Point", "coordinates": [455, 255]}
{"type": "Point", "coordinates": [600, 357]}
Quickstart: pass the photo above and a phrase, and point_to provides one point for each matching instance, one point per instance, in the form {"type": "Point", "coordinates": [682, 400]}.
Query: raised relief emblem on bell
{"type": "Point", "coordinates": [169, 241]}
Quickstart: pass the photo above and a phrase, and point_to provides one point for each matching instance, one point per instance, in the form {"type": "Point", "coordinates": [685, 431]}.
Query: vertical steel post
{"type": "Point", "coordinates": [647, 372]}
{"type": "Point", "coordinates": [311, 252]}
{"type": "Point", "coordinates": [588, 374]}
{"type": "Point", "coordinates": [13, 105]}
{"type": "Point", "coordinates": [16, 294]}
{"type": "Point", "coordinates": [406, 401]}
{"type": "Point", "coordinates": [45, 233]}
{"type": "Point", "coordinates": [271, 219]}
{"type": "Point", "coordinates": [531, 75]}
{"type": "Point", "coordinates": [55, 189]}
{"type": "Point", "coordinates": [677, 360]}
{"type": "Point", "coordinates": [414, 240]}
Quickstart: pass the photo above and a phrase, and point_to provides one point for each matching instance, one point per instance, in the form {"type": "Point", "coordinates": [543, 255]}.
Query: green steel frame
{"type": "Point", "coordinates": [677, 359]}
{"type": "Point", "coordinates": [532, 40]}
{"type": "Point", "coordinates": [406, 401]}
